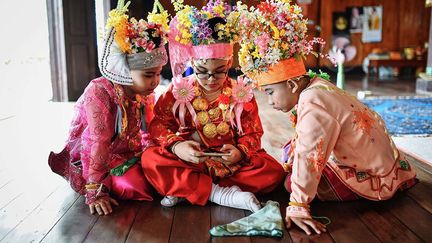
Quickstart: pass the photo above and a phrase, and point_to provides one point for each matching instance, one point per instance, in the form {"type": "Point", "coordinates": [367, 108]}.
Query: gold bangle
{"type": "Point", "coordinates": [296, 204]}
{"type": "Point", "coordinates": [92, 186]}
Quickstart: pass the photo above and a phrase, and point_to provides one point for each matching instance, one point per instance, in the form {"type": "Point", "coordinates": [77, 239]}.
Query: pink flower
{"type": "Point", "coordinates": [141, 43]}
{"type": "Point", "coordinates": [150, 46]}
{"type": "Point", "coordinates": [262, 42]}
{"type": "Point", "coordinates": [242, 92]}
{"type": "Point", "coordinates": [183, 90]}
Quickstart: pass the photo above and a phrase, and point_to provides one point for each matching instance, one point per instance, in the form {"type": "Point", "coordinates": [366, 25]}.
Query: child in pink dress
{"type": "Point", "coordinates": [108, 133]}
{"type": "Point", "coordinates": [341, 150]}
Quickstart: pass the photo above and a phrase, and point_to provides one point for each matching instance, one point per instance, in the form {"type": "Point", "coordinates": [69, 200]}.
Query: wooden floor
{"type": "Point", "coordinates": [38, 206]}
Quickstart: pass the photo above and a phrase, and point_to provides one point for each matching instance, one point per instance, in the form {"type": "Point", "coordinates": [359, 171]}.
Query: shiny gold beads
{"type": "Point", "coordinates": [214, 113]}
{"type": "Point", "coordinates": [203, 117]}
{"type": "Point", "coordinates": [210, 130]}
{"type": "Point", "coordinates": [223, 128]}
{"type": "Point", "coordinates": [200, 104]}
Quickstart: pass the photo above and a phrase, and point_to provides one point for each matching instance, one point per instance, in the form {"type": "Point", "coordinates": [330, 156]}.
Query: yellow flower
{"type": "Point", "coordinates": [256, 54]}
{"type": "Point", "coordinates": [159, 18]}
{"type": "Point", "coordinates": [275, 30]}
{"type": "Point", "coordinates": [178, 4]}
{"type": "Point", "coordinates": [219, 10]}
{"type": "Point", "coordinates": [208, 14]}
{"type": "Point", "coordinates": [282, 32]}
{"type": "Point", "coordinates": [115, 17]}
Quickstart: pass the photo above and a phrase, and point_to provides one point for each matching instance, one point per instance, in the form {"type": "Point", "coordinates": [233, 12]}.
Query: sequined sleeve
{"type": "Point", "coordinates": [164, 126]}
{"type": "Point", "coordinates": [95, 154]}
{"type": "Point", "coordinates": [317, 133]}
{"type": "Point", "coordinates": [250, 141]}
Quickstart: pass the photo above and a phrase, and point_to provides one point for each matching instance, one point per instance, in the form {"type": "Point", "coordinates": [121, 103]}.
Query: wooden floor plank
{"type": "Point", "coordinates": [382, 223]}
{"type": "Point", "coordinates": [152, 224]}
{"type": "Point", "coordinates": [191, 224]}
{"type": "Point", "coordinates": [5, 178]}
{"type": "Point", "coordinates": [223, 215]}
{"type": "Point", "coordinates": [42, 219]}
{"type": "Point", "coordinates": [345, 225]}
{"type": "Point", "coordinates": [8, 193]}
{"type": "Point", "coordinates": [114, 227]}
{"type": "Point", "coordinates": [74, 225]}
{"type": "Point", "coordinates": [416, 218]}
{"type": "Point", "coordinates": [422, 191]}
{"type": "Point", "coordinates": [22, 206]}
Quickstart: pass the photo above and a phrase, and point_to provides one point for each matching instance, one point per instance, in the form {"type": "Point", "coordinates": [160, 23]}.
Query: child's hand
{"type": "Point", "coordinates": [189, 151]}
{"type": "Point", "coordinates": [102, 205]}
{"type": "Point", "coordinates": [234, 154]}
{"type": "Point", "coordinates": [304, 224]}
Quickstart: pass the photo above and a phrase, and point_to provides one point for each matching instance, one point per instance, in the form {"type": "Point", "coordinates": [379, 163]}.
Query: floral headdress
{"type": "Point", "coordinates": [133, 44]}
{"type": "Point", "coordinates": [207, 33]}
{"type": "Point", "coordinates": [274, 41]}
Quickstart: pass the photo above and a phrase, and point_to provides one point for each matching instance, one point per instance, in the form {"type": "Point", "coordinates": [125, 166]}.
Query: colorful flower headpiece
{"type": "Point", "coordinates": [273, 32]}
{"type": "Point", "coordinates": [133, 44]}
{"type": "Point", "coordinates": [134, 36]}
{"type": "Point", "coordinates": [214, 23]}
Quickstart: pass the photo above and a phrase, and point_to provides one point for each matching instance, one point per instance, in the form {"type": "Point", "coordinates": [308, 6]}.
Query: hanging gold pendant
{"type": "Point", "coordinates": [200, 104]}
{"type": "Point", "coordinates": [210, 130]}
{"type": "Point", "coordinates": [223, 128]}
{"type": "Point", "coordinates": [214, 113]}
{"type": "Point", "coordinates": [203, 117]}
{"type": "Point", "coordinates": [197, 91]}
{"type": "Point", "coordinates": [223, 106]}
{"type": "Point", "coordinates": [227, 91]}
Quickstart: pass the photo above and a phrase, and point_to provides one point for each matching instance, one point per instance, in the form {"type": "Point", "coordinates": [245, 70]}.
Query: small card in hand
{"type": "Point", "coordinates": [215, 154]}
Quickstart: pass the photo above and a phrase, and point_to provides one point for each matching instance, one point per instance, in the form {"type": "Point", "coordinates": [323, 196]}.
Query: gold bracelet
{"type": "Point", "coordinates": [92, 186]}
{"type": "Point", "coordinates": [296, 204]}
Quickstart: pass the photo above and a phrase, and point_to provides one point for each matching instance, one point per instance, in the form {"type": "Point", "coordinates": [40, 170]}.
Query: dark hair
{"type": "Point", "coordinates": [212, 25]}
{"type": "Point", "coordinates": [157, 40]}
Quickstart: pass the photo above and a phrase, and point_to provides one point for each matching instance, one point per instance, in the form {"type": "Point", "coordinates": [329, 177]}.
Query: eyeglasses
{"type": "Point", "coordinates": [218, 75]}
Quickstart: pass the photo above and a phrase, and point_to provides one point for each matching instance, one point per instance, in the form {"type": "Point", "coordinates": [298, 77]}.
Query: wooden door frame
{"type": "Point", "coordinates": [57, 50]}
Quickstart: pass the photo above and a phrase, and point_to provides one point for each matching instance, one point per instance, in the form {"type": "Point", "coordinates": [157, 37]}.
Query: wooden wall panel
{"type": "Point", "coordinates": [413, 23]}
{"type": "Point", "coordinates": [405, 23]}
{"type": "Point", "coordinates": [80, 45]}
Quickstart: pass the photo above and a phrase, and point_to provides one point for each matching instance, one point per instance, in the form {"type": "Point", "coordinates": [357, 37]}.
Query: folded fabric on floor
{"type": "Point", "coordinates": [404, 116]}
{"type": "Point", "coordinates": [265, 222]}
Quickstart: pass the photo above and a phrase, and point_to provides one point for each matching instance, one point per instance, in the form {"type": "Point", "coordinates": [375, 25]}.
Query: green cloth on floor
{"type": "Point", "coordinates": [265, 222]}
{"type": "Point", "coordinates": [122, 168]}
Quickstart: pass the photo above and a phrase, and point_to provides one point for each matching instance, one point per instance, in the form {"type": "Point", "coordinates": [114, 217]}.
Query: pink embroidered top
{"type": "Point", "coordinates": [107, 129]}
{"type": "Point", "coordinates": [335, 129]}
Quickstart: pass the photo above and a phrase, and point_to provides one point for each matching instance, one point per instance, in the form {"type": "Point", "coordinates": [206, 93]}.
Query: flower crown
{"type": "Point", "coordinates": [135, 36]}
{"type": "Point", "coordinates": [273, 31]}
{"type": "Point", "coordinates": [214, 23]}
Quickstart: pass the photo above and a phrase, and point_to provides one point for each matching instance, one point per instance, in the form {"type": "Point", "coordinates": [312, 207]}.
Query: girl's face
{"type": "Point", "coordinates": [211, 73]}
{"type": "Point", "coordinates": [145, 81]}
{"type": "Point", "coordinates": [283, 96]}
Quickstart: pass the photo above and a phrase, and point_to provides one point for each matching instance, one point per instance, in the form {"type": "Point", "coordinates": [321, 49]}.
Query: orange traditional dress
{"type": "Point", "coordinates": [258, 172]}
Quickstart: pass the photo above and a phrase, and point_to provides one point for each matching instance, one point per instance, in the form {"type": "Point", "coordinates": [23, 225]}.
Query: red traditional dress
{"type": "Point", "coordinates": [257, 172]}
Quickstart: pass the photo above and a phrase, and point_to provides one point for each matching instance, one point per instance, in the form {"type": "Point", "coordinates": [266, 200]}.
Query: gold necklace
{"type": "Point", "coordinates": [206, 117]}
